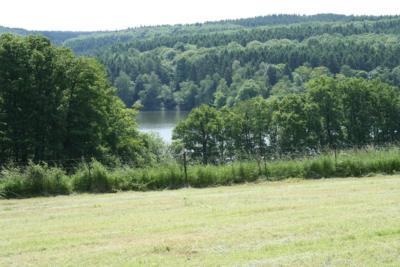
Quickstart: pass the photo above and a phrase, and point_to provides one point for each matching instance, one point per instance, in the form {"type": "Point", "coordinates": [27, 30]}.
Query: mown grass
{"type": "Point", "coordinates": [94, 177]}
{"type": "Point", "coordinates": [326, 222]}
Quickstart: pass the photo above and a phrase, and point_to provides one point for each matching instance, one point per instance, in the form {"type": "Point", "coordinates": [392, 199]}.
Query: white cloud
{"type": "Point", "coordinates": [121, 14]}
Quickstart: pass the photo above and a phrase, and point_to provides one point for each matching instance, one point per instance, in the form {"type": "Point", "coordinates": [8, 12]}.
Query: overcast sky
{"type": "Point", "coordinates": [120, 14]}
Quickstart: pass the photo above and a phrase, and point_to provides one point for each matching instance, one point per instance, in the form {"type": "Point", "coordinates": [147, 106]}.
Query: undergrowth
{"type": "Point", "coordinates": [40, 179]}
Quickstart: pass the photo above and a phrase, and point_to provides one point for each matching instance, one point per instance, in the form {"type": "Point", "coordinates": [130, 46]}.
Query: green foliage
{"type": "Point", "coordinates": [94, 177]}
{"type": "Point", "coordinates": [283, 86]}
{"type": "Point", "coordinates": [125, 88]}
{"type": "Point", "coordinates": [55, 107]}
{"type": "Point", "coordinates": [256, 56]}
{"type": "Point", "coordinates": [330, 113]}
{"type": "Point", "coordinates": [33, 180]}
{"type": "Point", "coordinates": [150, 96]}
{"type": "Point", "coordinates": [248, 90]}
{"type": "Point", "coordinates": [261, 61]}
{"type": "Point", "coordinates": [199, 133]}
{"type": "Point", "coordinates": [327, 98]}
{"type": "Point", "coordinates": [241, 31]}
{"type": "Point", "coordinates": [186, 97]}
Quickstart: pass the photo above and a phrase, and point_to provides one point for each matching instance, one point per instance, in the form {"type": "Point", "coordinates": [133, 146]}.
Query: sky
{"type": "Point", "coordinates": [91, 15]}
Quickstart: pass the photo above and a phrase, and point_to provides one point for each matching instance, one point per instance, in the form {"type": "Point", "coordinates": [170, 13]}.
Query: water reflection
{"type": "Point", "coordinates": [161, 122]}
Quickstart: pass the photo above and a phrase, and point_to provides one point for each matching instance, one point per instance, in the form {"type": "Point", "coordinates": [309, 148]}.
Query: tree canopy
{"type": "Point", "coordinates": [182, 66]}
{"type": "Point", "coordinates": [57, 107]}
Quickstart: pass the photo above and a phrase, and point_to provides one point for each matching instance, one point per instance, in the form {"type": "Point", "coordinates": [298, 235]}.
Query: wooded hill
{"type": "Point", "coordinates": [222, 63]}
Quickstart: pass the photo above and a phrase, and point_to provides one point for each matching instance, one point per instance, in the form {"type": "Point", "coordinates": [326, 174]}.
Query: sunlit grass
{"type": "Point", "coordinates": [328, 222]}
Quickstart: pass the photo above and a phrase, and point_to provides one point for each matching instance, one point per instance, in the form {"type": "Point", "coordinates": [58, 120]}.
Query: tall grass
{"type": "Point", "coordinates": [40, 179]}
{"type": "Point", "coordinates": [92, 177]}
{"type": "Point", "coordinates": [33, 180]}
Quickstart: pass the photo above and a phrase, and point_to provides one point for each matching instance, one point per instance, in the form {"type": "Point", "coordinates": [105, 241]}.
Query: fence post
{"type": "Point", "coordinates": [87, 166]}
{"type": "Point", "coordinates": [335, 155]}
{"type": "Point", "coordinates": [185, 168]}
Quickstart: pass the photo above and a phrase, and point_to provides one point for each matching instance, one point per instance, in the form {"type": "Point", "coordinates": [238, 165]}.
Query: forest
{"type": "Point", "coordinates": [184, 66]}
{"type": "Point", "coordinates": [198, 64]}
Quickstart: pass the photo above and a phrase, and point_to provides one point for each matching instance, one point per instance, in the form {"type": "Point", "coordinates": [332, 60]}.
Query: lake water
{"type": "Point", "coordinates": [160, 122]}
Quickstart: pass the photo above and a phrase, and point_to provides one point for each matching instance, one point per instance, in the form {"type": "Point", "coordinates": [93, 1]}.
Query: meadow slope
{"type": "Point", "coordinates": [328, 222]}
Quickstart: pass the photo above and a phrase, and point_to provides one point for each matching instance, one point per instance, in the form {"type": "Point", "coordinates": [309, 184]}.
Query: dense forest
{"type": "Point", "coordinates": [222, 63]}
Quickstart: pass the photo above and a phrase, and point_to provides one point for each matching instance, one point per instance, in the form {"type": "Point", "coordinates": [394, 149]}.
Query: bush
{"type": "Point", "coordinates": [319, 168]}
{"type": "Point", "coordinates": [92, 177]}
{"type": "Point", "coordinates": [202, 176]}
{"type": "Point", "coordinates": [285, 169]}
{"type": "Point", "coordinates": [34, 180]}
{"type": "Point", "coordinates": [13, 184]}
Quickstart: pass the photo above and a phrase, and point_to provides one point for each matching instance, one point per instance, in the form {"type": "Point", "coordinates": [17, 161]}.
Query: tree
{"type": "Point", "coordinates": [150, 97]}
{"type": "Point", "coordinates": [294, 119]}
{"type": "Point", "coordinates": [248, 90]}
{"type": "Point", "coordinates": [385, 113]}
{"type": "Point", "coordinates": [324, 93]}
{"type": "Point", "coordinates": [282, 88]}
{"type": "Point", "coordinates": [249, 125]}
{"type": "Point", "coordinates": [206, 90]}
{"type": "Point", "coordinates": [221, 94]}
{"type": "Point", "coordinates": [199, 133]}
{"type": "Point", "coordinates": [167, 97]}
{"type": "Point", "coordinates": [125, 88]}
{"type": "Point", "coordinates": [55, 106]}
{"type": "Point", "coordinates": [358, 106]}
{"type": "Point", "coordinates": [186, 98]}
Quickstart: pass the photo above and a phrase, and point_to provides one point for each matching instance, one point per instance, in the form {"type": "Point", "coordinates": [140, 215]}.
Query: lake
{"type": "Point", "coordinates": [161, 122]}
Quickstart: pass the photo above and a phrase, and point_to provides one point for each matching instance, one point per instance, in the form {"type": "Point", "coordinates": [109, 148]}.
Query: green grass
{"type": "Point", "coordinates": [327, 222]}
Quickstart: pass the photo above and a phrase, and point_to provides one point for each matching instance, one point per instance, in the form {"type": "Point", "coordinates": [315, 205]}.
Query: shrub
{"type": "Point", "coordinates": [319, 168]}
{"type": "Point", "coordinates": [81, 179]}
{"type": "Point", "coordinates": [13, 184]}
{"type": "Point", "coordinates": [36, 179]}
{"type": "Point", "coordinates": [285, 169]}
{"type": "Point", "coordinates": [92, 177]}
{"type": "Point", "coordinates": [202, 176]}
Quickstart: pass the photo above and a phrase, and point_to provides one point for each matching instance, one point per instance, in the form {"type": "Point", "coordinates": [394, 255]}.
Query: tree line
{"type": "Point", "coordinates": [241, 31]}
{"type": "Point", "coordinates": [332, 113]}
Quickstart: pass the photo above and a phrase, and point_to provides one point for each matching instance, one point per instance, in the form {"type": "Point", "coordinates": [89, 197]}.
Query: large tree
{"type": "Point", "coordinates": [55, 106]}
{"type": "Point", "coordinates": [324, 93]}
{"type": "Point", "coordinates": [199, 133]}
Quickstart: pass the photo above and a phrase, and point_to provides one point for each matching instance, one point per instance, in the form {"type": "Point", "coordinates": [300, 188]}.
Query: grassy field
{"type": "Point", "coordinates": [329, 222]}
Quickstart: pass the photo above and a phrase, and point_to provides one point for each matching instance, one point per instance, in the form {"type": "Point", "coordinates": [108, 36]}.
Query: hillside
{"type": "Point", "coordinates": [57, 37]}
{"type": "Point", "coordinates": [84, 42]}
{"type": "Point", "coordinates": [189, 65]}
{"type": "Point", "coordinates": [155, 36]}
{"type": "Point", "coordinates": [185, 66]}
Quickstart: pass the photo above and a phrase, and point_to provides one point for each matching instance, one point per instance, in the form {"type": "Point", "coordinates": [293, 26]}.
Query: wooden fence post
{"type": "Point", "coordinates": [185, 167]}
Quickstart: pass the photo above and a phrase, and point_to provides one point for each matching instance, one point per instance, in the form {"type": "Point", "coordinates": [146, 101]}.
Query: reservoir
{"type": "Point", "coordinates": [161, 122]}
